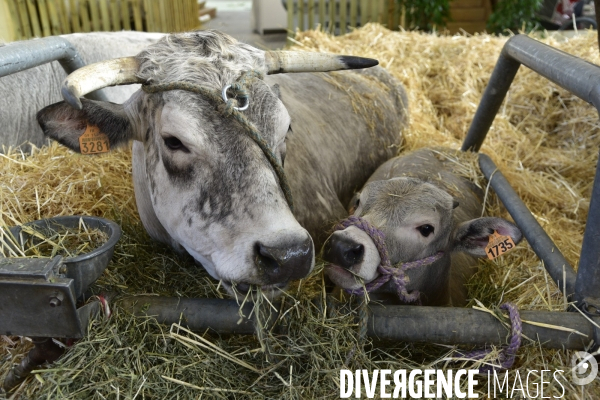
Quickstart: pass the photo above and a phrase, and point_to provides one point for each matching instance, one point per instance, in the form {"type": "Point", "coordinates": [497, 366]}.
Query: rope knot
{"type": "Point", "coordinates": [397, 273]}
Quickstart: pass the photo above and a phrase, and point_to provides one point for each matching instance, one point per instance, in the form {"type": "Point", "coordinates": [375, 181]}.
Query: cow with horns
{"type": "Point", "coordinates": [212, 128]}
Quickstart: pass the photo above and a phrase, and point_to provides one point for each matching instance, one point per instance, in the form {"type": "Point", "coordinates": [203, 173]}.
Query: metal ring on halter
{"type": "Point", "coordinates": [225, 99]}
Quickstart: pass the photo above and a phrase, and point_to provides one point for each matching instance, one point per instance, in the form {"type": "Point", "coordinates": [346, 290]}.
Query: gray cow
{"type": "Point", "coordinates": [426, 212]}
{"type": "Point", "coordinates": [23, 94]}
{"type": "Point", "coordinates": [202, 184]}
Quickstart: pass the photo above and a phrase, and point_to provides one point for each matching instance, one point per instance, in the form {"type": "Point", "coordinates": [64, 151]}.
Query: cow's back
{"type": "Point", "coordinates": [23, 94]}
{"type": "Point", "coordinates": [345, 125]}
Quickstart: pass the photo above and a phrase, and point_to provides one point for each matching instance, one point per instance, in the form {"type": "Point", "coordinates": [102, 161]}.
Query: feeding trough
{"type": "Point", "coordinates": [35, 292]}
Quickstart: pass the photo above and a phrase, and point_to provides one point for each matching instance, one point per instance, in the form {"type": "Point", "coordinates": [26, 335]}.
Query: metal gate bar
{"type": "Point", "coordinates": [19, 56]}
{"type": "Point", "coordinates": [445, 325]}
{"type": "Point", "coordinates": [582, 79]}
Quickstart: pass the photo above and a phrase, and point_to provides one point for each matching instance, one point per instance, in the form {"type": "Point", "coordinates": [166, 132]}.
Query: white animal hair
{"type": "Point", "coordinates": [209, 58]}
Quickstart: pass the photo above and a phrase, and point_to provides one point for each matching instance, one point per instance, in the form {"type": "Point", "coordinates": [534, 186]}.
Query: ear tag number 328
{"type": "Point", "coordinates": [498, 245]}
{"type": "Point", "coordinates": [93, 141]}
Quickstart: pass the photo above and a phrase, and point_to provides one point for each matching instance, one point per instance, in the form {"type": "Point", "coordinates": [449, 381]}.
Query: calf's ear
{"type": "Point", "coordinates": [65, 124]}
{"type": "Point", "coordinates": [473, 236]}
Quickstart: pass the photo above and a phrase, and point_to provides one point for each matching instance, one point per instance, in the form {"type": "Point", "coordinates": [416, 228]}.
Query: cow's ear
{"type": "Point", "coordinates": [473, 236]}
{"type": "Point", "coordinates": [65, 124]}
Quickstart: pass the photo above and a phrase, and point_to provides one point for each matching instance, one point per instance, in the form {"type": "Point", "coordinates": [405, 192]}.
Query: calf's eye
{"type": "Point", "coordinates": [425, 230]}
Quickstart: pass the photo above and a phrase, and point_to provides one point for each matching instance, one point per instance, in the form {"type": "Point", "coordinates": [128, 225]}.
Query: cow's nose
{"type": "Point", "coordinates": [283, 263]}
{"type": "Point", "coordinates": [343, 251]}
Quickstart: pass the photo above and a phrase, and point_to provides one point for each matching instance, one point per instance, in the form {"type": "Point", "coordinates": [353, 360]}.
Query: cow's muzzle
{"type": "Point", "coordinates": [343, 251]}
{"type": "Point", "coordinates": [284, 262]}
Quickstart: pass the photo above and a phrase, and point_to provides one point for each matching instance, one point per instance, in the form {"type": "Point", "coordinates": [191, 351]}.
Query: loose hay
{"type": "Point", "coordinates": [544, 140]}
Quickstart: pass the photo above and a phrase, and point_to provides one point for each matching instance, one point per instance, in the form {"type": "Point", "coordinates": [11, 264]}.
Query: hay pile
{"type": "Point", "coordinates": [545, 141]}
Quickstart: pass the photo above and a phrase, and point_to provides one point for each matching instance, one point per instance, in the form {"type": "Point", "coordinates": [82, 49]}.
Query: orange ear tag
{"type": "Point", "coordinates": [498, 245]}
{"type": "Point", "coordinates": [93, 141]}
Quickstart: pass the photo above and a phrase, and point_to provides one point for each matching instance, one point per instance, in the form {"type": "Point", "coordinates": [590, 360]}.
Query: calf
{"type": "Point", "coordinates": [427, 216]}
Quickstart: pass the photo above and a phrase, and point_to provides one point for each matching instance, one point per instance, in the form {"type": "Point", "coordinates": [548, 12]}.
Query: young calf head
{"type": "Point", "coordinates": [418, 221]}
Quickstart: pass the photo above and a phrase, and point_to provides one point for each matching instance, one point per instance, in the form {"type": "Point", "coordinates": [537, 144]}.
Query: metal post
{"type": "Point", "coordinates": [582, 79]}
{"type": "Point", "coordinates": [448, 325]}
{"type": "Point", "coordinates": [19, 56]}
{"type": "Point", "coordinates": [587, 286]}
{"type": "Point", "coordinates": [544, 247]}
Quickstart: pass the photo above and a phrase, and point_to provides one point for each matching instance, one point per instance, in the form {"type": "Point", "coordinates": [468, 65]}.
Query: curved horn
{"type": "Point", "coordinates": [120, 71]}
{"type": "Point", "coordinates": [303, 61]}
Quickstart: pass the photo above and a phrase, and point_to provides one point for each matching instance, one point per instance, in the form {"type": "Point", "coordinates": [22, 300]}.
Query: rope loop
{"type": "Point", "coordinates": [507, 356]}
{"type": "Point", "coordinates": [232, 107]}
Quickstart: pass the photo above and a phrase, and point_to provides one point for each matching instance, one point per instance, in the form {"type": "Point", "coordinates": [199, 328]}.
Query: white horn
{"type": "Point", "coordinates": [303, 61]}
{"type": "Point", "coordinates": [120, 71]}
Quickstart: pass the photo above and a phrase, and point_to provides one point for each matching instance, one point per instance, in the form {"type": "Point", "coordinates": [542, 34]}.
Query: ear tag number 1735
{"type": "Point", "coordinates": [498, 245]}
{"type": "Point", "coordinates": [93, 141]}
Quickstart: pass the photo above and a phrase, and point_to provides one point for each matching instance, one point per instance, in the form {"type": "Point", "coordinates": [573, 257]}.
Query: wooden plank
{"type": "Point", "coordinates": [44, 19]}
{"type": "Point", "coordinates": [468, 14]}
{"type": "Point", "coordinates": [14, 16]}
{"type": "Point", "coordinates": [290, 18]}
{"type": "Point", "coordinates": [24, 18]}
{"type": "Point", "coordinates": [353, 13]}
{"type": "Point", "coordinates": [365, 12]}
{"type": "Point", "coordinates": [95, 15]}
{"type": "Point", "coordinates": [125, 15]}
{"type": "Point", "coordinates": [301, 15]}
{"type": "Point", "coordinates": [311, 14]}
{"type": "Point", "coordinates": [137, 15]}
{"type": "Point", "coordinates": [343, 16]}
{"type": "Point", "coordinates": [73, 9]}
{"type": "Point", "coordinates": [374, 10]}
{"type": "Point", "coordinates": [332, 16]}
{"type": "Point", "coordinates": [390, 14]}
{"type": "Point", "coordinates": [105, 15]}
{"type": "Point", "coordinates": [64, 17]}
{"type": "Point", "coordinates": [115, 17]}
{"type": "Point", "coordinates": [322, 14]}
{"type": "Point", "coordinates": [36, 28]}
{"type": "Point", "coordinates": [85, 15]}
{"type": "Point", "coordinates": [195, 20]}
{"type": "Point", "coordinates": [465, 3]}
{"type": "Point", "coordinates": [157, 17]}
{"type": "Point", "coordinates": [54, 19]}
{"type": "Point", "coordinates": [163, 16]}
{"type": "Point", "coordinates": [397, 15]}
{"type": "Point", "coordinates": [177, 13]}
{"type": "Point", "coordinates": [470, 27]}
{"type": "Point", "coordinates": [149, 13]}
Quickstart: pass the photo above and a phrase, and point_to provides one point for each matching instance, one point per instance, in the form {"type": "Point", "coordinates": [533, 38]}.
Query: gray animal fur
{"type": "Point", "coordinates": [405, 192]}
{"type": "Point", "coordinates": [23, 94]}
{"type": "Point", "coordinates": [218, 197]}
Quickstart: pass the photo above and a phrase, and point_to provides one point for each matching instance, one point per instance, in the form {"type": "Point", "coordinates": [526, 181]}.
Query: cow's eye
{"type": "Point", "coordinates": [174, 144]}
{"type": "Point", "coordinates": [425, 230]}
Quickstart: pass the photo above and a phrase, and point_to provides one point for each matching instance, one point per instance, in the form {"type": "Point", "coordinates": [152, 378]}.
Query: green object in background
{"type": "Point", "coordinates": [426, 15]}
{"type": "Point", "coordinates": [514, 15]}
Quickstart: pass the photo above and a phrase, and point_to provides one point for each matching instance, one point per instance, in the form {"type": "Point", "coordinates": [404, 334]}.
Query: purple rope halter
{"type": "Point", "coordinates": [387, 272]}
{"type": "Point", "coordinates": [506, 358]}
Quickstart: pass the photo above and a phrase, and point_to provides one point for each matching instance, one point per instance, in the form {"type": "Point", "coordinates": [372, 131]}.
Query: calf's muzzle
{"type": "Point", "coordinates": [343, 251]}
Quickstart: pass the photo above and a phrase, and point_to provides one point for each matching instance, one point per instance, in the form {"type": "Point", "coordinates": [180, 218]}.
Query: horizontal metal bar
{"type": "Point", "coordinates": [540, 242]}
{"type": "Point", "coordinates": [445, 325]}
{"type": "Point", "coordinates": [19, 56]}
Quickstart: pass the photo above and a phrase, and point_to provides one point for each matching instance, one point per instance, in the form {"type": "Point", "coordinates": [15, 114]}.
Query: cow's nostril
{"type": "Point", "coordinates": [355, 253]}
{"type": "Point", "coordinates": [343, 251]}
{"type": "Point", "coordinates": [264, 258]}
{"type": "Point", "coordinates": [284, 262]}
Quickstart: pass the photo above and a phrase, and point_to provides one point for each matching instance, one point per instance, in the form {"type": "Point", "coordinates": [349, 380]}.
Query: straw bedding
{"type": "Point", "coordinates": [544, 140]}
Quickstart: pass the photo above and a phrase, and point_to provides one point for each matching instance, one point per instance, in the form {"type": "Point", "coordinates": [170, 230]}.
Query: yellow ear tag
{"type": "Point", "coordinates": [93, 141]}
{"type": "Point", "coordinates": [498, 245]}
